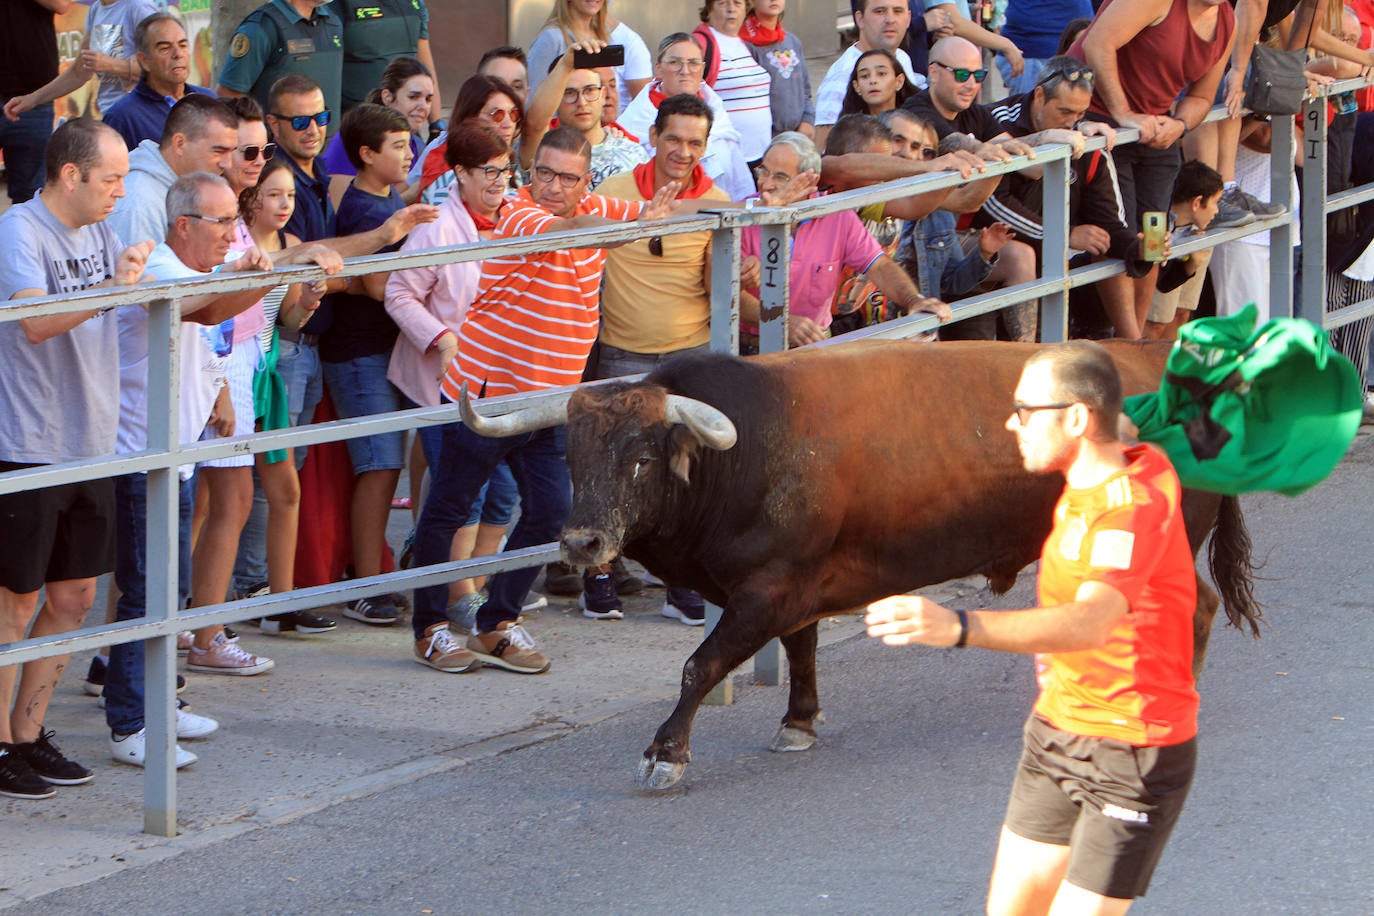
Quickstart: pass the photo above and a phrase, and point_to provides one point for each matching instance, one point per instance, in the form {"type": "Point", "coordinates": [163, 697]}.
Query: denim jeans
{"type": "Point", "coordinates": [360, 388]}
{"type": "Point", "coordinates": [24, 142]}
{"type": "Point", "coordinates": [124, 673]}
{"type": "Point", "coordinates": [614, 362]}
{"type": "Point", "coordinates": [495, 505]}
{"type": "Point", "coordinates": [466, 461]}
{"type": "Point", "coordinates": [1016, 85]}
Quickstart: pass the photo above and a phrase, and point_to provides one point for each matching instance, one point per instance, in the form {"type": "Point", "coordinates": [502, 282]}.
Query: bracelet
{"type": "Point", "coordinates": [1185, 126]}
{"type": "Point", "coordinates": [962, 641]}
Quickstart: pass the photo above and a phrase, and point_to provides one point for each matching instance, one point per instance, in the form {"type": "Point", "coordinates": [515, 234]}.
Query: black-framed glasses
{"type": "Point", "coordinates": [301, 122]}
{"type": "Point", "coordinates": [929, 152]}
{"type": "Point", "coordinates": [588, 93]}
{"type": "Point", "coordinates": [494, 172]}
{"type": "Point", "coordinates": [961, 74]}
{"type": "Point", "coordinates": [220, 221]}
{"type": "Point", "coordinates": [267, 151]}
{"type": "Point", "coordinates": [568, 180]}
{"type": "Point", "coordinates": [1023, 411]}
{"type": "Point", "coordinates": [1081, 75]}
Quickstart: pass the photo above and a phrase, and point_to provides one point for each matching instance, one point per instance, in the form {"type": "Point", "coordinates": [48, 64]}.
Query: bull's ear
{"type": "Point", "coordinates": [683, 446]}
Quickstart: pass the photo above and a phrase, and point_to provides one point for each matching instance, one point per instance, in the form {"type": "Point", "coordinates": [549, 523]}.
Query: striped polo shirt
{"type": "Point", "coordinates": [535, 317]}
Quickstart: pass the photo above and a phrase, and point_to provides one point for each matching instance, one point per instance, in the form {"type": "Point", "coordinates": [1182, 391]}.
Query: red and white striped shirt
{"type": "Point", "coordinates": [535, 317]}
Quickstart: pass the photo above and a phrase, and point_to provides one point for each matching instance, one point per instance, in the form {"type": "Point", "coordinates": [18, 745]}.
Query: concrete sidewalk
{"type": "Point", "coordinates": [344, 715]}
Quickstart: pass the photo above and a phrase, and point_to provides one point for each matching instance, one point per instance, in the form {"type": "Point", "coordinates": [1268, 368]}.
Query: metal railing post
{"type": "Point", "coordinates": [1281, 239]}
{"type": "Point", "coordinates": [1054, 249]}
{"type": "Point", "coordinates": [162, 590]}
{"type": "Point", "coordinates": [724, 339]}
{"type": "Point", "coordinates": [1312, 299]}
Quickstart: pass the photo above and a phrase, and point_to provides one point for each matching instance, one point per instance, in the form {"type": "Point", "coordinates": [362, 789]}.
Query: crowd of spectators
{"type": "Point", "coordinates": [324, 138]}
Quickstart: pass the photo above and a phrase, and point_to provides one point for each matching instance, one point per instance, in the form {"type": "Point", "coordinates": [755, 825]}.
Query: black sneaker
{"type": "Point", "coordinates": [377, 611]}
{"type": "Point", "coordinates": [562, 579]}
{"type": "Point", "coordinates": [256, 590]}
{"type": "Point", "coordinates": [398, 599]}
{"type": "Point", "coordinates": [296, 622]}
{"type": "Point", "coordinates": [17, 778]}
{"type": "Point", "coordinates": [685, 605]}
{"type": "Point", "coordinates": [94, 684]}
{"type": "Point", "coordinates": [599, 600]}
{"type": "Point", "coordinates": [626, 582]}
{"type": "Point", "coordinates": [46, 761]}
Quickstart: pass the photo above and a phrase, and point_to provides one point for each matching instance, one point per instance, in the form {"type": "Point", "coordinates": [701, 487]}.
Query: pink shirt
{"type": "Point", "coordinates": [821, 249]}
{"type": "Point", "coordinates": [250, 322]}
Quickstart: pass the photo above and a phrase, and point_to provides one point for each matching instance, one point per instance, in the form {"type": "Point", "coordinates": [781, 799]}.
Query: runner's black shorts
{"type": "Point", "coordinates": [56, 533]}
{"type": "Point", "coordinates": [1112, 803]}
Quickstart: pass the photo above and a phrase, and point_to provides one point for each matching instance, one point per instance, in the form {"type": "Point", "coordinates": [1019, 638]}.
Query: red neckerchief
{"type": "Point", "coordinates": [644, 181]}
{"type": "Point", "coordinates": [758, 34]}
{"type": "Point", "coordinates": [656, 95]}
{"type": "Point", "coordinates": [481, 222]}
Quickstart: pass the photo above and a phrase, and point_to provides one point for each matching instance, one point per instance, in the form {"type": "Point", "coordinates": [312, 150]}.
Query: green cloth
{"type": "Point", "coordinates": [1242, 409]}
{"type": "Point", "coordinates": [270, 405]}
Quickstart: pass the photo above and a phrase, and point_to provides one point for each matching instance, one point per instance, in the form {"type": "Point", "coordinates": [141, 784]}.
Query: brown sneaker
{"type": "Point", "coordinates": [442, 652]}
{"type": "Point", "coordinates": [224, 657]}
{"type": "Point", "coordinates": [509, 647]}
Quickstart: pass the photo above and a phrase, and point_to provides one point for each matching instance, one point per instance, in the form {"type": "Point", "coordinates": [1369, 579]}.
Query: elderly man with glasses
{"type": "Point", "coordinates": [1050, 113]}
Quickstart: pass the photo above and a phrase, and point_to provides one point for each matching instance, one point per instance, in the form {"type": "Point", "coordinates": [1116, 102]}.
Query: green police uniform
{"type": "Point", "coordinates": [274, 40]}
{"type": "Point", "coordinates": [377, 32]}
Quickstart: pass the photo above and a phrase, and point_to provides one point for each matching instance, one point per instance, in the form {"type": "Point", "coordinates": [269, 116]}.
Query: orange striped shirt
{"type": "Point", "coordinates": [535, 317]}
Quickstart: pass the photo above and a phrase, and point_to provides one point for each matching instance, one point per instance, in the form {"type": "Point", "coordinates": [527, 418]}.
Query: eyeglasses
{"type": "Point", "coordinates": [1074, 76]}
{"type": "Point", "coordinates": [588, 93]}
{"type": "Point", "coordinates": [961, 74]}
{"type": "Point", "coordinates": [568, 180]}
{"type": "Point", "coordinates": [761, 173]}
{"type": "Point", "coordinates": [1024, 411]}
{"type": "Point", "coordinates": [690, 64]}
{"type": "Point", "coordinates": [499, 115]}
{"type": "Point", "coordinates": [251, 153]}
{"type": "Point", "coordinates": [494, 172]}
{"type": "Point", "coordinates": [301, 122]}
{"type": "Point", "coordinates": [929, 152]}
{"type": "Point", "coordinates": [219, 222]}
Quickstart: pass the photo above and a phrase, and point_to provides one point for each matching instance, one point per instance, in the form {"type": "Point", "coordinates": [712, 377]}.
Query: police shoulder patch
{"type": "Point", "coordinates": [239, 46]}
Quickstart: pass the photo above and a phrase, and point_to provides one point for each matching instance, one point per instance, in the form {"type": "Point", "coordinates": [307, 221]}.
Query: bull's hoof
{"type": "Point", "coordinates": [792, 739]}
{"type": "Point", "coordinates": [657, 775]}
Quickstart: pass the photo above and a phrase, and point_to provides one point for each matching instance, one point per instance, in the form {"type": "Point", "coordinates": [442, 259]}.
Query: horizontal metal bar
{"type": "Point", "coordinates": [1353, 197]}
{"type": "Point", "coordinates": [1347, 315]}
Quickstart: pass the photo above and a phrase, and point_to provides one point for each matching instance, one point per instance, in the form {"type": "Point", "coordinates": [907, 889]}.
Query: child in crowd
{"type": "Point", "coordinates": [1197, 194]}
{"type": "Point", "coordinates": [356, 343]}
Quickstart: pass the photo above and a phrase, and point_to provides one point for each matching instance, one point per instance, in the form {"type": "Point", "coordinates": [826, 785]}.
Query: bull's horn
{"type": "Point", "coordinates": [511, 424]}
{"type": "Point", "coordinates": [711, 426]}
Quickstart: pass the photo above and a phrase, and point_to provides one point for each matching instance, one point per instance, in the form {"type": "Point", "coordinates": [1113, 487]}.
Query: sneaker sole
{"type": "Point", "coordinates": [275, 628]}
{"type": "Point", "coordinates": [27, 795]}
{"type": "Point", "coordinates": [476, 663]}
{"type": "Point", "coordinates": [260, 668]}
{"type": "Point", "coordinates": [673, 613]}
{"type": "Point", "coordinates": [496, 661]}
{"type": "Point", "coordinates": [70, 781]}
{"type": "Point", "coordinates": [92, 689]}
{"type": "Point", "coordinates": [374, 621]}
{"type": "Point", "coordinates": [613, 614]}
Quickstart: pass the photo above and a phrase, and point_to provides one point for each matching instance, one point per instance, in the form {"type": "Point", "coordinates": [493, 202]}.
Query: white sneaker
{"type": "Point", "coordinates": [534, 602]}
{"type": "Point", "coordinates": [191, 726]}
{"type": "Point", "coordinates": [133, 750]}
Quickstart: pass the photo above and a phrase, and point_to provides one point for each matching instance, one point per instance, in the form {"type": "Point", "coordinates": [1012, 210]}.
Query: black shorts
{"type": "Point", "coordinates": [1112, 803]}
{"type": "Point", "coordinates": [56, 533]}
{"type": "Point", "coordinates": [1145, 176]}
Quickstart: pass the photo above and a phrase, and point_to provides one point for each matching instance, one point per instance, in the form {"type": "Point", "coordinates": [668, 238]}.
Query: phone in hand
{"type": "Point", "coordinates": [1156, 231]}
{"type": "Point", "coordinates": [609, 56]}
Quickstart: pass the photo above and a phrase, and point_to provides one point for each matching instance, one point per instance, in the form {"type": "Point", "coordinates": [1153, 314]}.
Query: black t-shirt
{"type": "Point", "coordinates": [1275, 12]}
{"type": "Point", "coordinates": [361, 325]}
{"type": "Point", "coordinates": [976, 119]}
{"type": "Point", "coordinates": [28, 47]}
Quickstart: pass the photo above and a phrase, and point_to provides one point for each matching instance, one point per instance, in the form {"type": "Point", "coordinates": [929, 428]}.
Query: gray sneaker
{"type": "Point", "coordinates": [1229, 216]}
{"type": "Point", "coordinates": [1241, 200]}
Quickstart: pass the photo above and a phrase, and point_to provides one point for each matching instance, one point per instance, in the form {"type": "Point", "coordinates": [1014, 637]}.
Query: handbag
{"type": "Point", "coordinates": [1277, 83]}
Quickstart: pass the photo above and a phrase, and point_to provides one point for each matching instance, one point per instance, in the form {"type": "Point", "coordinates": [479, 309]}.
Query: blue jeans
{"type": "Point", "coordinates": [360, 388]}
{"type": "Point", "coordinates": [613, 362]}
{"type": "Point", "coordinates": [466, 461]}
{"type": "Point", "coordinates": [24, 142]}
{"type": "Point", "coordinates": [124, 673]}
{"type": "Point", "coordinates": [495, 505]}
{"type": "Point", "coordinates": [1016, 85]}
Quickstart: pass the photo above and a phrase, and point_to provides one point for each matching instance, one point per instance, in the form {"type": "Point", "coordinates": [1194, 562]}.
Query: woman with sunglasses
{"type": "Point", "coordinates": [877, 84]}
{"type": "Point", "coordinates": [488, 100]}
{"type": "Point", "coordinates": [429, 304]}
{"type": "Point", "coordinates": [407, 86]}
{"type": "Point", "coordinates": [572, 21]}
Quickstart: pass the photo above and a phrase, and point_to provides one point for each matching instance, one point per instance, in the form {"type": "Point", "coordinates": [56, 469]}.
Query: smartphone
{"type": "Point", "coordinates": [609, 56]}
{"type": "Point", "coordinates": [1156, 230]}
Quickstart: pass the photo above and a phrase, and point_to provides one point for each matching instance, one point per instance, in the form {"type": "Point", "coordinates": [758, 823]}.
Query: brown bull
{"type": "Point", "coordinates": [860, 471]}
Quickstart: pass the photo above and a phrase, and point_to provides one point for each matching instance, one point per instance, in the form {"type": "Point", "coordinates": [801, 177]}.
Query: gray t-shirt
{"type": "Point", "coordinates": [110, 29]}
{"type": "Point", "coordinates": [59, 400]}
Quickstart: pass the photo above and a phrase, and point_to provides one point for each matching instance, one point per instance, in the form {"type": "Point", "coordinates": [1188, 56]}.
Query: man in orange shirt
{"type": "Point", "coordinates": [1110, 746]}
{"type": "Point", "coordinates": [531, 327]}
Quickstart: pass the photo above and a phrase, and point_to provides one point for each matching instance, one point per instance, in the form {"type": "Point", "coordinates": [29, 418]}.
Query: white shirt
{"type": "Point", "coordinates": [830, 95]}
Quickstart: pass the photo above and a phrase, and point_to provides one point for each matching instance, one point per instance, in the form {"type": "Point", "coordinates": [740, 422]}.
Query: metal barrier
{"type": "Point", "coordinates": [163, 455]}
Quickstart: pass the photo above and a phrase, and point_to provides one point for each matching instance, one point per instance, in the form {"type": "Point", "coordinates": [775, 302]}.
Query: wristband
{"type": "Point", "coordinates": [962, 641]}
{"type": "Point", "coordinates": [1185, 127]}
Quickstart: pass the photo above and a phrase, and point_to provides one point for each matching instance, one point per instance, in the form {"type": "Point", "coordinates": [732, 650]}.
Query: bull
{"type": "Point", "coordinates": [792, 486]}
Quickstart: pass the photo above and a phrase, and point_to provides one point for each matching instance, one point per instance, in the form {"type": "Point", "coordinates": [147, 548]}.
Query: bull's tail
{"type": "Point", "coordinates": [1228, 558]}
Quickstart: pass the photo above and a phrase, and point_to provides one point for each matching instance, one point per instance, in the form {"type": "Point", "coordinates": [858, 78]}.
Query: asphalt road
{"type": "Point", "coordinates": [897, 809]}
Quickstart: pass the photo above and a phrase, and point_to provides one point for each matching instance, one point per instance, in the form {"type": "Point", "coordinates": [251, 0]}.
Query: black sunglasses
{"type": "Point", "coordinates": [929, 152]}
{"type": "Point", "coordinates": [301, 122]}
{"type": "Point", "coordinates": [656, 246]}
{"type": "Point", "coordinates": [961, 74]}
{"type": "Point", "coordinates": [1024, 411]}
{"type": "Point", "coordinates": [1071, 75]}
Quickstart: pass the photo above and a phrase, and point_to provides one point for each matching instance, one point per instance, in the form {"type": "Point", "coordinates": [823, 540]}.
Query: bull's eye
{"type": "Point", "coordinates": [641, 464]}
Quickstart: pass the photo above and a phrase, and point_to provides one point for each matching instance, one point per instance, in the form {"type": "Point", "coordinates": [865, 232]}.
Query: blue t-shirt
{"type": "Point", "coordinates": [358, 324]}
{"type": "Point", "coordinates": [1034, 26]}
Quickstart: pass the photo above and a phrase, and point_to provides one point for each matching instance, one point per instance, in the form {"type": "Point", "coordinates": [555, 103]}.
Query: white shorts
{"type": "Point", "coordinates": [244, 360]}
